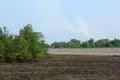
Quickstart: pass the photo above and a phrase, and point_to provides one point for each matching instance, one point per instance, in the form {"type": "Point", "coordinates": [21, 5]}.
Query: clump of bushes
{"type": "Point", "coordinates": [25, 46]}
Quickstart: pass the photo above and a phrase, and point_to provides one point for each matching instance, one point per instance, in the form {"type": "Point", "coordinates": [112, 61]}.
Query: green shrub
{"type": "Point", "coordinates": [2, 49]}
{"type": "Point", "coordinates": [25, 56]}
{"type": "Point", "coordinates": [25, 46]}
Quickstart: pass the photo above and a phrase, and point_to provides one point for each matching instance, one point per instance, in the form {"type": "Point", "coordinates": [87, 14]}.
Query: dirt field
{"type": "Point", "coordinates": [87, 51]}
{"type": "Point", "coordinates": [64, 67]}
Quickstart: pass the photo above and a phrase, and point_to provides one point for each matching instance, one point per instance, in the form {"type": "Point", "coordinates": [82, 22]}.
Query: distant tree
{"type": "Point", "coordinates": [63, 44]}
{"type": "Point", "coordinates": [115, 43]}
{"type": "Point", "coordinates": [55, 45]}
{"type": "Point", "coordinates": [47, 45]}
{"type": "Point", "coordinates": [86, 44]}
{"type": "Point", "coordinates": [92, 43]}
{"type": "Point", "coordinates": [103, 43]}
{"type": "Point", "coordinates": [108, 44]}
{"type": "Point", "coordinates": [74, 43]}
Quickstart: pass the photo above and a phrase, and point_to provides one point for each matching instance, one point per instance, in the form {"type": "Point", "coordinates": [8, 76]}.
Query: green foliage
{"type": "Point", "coordinates": [2, 50]}
{"type": "Point", "coordinates": [25, 56]}
{"type": "Point", "coordinates": [92, 43]}
{"type": "Point", "coordinates": [33, 39]}
{"type": "Point", "coordinates": [25, 46]}
{"type": "Point", "coordinates": [103, 43]}
{"type": "Point", "coordinates": [73, 43]}
{"type": "Point", "coordinates": [115, 43]}
{"type": "Point", "coordinates": [43, 49]}
{"type": "Point", "coordinates": [59, 45]}
{"type": "Point", "coordinates": [86, 44]}
{"type": "Point", "coordinates": [19, 45]}
{"type": "Point", "coordinates": [11, 56]}
{"type": "Point", "coordinates": [55, 45]}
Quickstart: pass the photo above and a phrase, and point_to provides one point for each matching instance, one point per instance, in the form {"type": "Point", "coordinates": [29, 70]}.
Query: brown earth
{"type": "Point", "coordinates": [64, 67]}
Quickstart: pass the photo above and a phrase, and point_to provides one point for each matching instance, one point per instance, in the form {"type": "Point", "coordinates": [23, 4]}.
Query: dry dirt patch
{"type": "Point", "coordinates": [87, 51]}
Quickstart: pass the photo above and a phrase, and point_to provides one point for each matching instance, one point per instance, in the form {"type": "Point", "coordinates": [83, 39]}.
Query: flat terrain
{"type": "Point", "coordinates": [64, 67]}
{"type": "Point", "coordinates": [86, 51]}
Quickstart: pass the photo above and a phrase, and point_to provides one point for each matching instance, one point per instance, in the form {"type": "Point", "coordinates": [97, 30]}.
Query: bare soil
{"type": "Point", "coordinates": [64, 67]}
{"type": "Point", "coordinates": [86, 51]}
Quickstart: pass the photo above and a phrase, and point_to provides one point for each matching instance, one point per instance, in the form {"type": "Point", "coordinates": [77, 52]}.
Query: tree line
{"type": "Point", "coordinates": [91, 43]}
{"type": "Point", "coordinates": [27, 45]}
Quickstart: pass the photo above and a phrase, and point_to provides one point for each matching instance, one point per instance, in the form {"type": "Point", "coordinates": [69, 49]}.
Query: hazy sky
{"type": "Point", "coordinates": [62, 20]}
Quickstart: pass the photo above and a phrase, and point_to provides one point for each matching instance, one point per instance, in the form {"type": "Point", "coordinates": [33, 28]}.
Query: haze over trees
{"type": "Point", "coordinates": [74, 43]}
{"type": "Point", "coordinates": [25, 46]}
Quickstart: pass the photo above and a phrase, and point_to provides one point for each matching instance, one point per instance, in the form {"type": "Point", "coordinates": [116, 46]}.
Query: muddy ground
{"type": "Point", "coordinates": [64, 67]}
